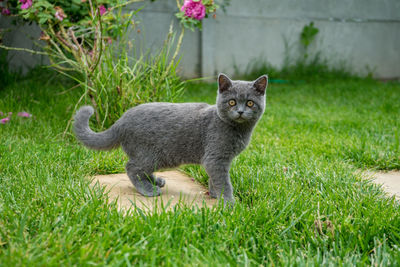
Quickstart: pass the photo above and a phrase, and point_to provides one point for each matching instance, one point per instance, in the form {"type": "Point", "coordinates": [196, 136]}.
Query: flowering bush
{"type": "Point", "coordinates": [68, 13]}
{"type": "Point", "coordinates": [192, 12]}
{"type": "Point", "coordinates": [193, 9]}
{"type": "Point", "coordinates": [52, 15]}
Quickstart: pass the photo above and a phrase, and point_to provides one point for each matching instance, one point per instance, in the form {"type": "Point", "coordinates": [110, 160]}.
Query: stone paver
{"type": "Point", "coordinates": [390, 181]}
{"type": "Point", "coordinates": [179, 188]}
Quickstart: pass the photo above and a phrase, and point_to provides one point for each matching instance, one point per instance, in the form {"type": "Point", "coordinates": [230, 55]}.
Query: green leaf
{"type": "Point", "coordinates": [308, 34]}
{"type": "Point", "coordinates": [42, 20]}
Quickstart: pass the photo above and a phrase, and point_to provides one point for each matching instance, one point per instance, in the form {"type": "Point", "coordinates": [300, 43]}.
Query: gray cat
{"type": "Point", "coordinates": [165, 135]}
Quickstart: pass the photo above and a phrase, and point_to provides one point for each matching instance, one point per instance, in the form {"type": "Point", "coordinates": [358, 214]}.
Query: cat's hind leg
{"type": "Point", "coordinates": [142, 178]}
{"type": "Point", "coordinates": [159, 181]}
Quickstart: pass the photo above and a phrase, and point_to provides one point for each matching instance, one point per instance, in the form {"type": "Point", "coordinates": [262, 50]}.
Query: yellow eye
{"type": "Point", "coordinates": [250, 103]}
{"type": "Point", "coordinates": [232, 102]}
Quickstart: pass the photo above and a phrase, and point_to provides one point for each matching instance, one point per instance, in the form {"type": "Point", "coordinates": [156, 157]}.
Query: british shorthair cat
{"type": "Point", "coordinates": [165, 135]}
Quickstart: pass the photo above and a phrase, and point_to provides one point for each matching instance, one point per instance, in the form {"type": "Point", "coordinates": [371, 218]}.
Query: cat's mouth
{"type": "Point", "coordinates": [240, 119]}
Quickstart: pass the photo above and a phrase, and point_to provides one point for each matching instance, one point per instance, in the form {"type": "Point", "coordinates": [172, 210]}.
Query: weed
{"type": "Point", "coordinates": [307, 36]}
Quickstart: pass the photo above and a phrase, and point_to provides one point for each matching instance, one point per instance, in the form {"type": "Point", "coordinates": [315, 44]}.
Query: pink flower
{"type": "Point", "coordinates": [193, 9]}
{"type": "Point", "coordinates": [60, 15]}
{"type": "Point", "coordinates": [5, 120]}
{"type": "Point", "coordinates": [102, 10]}
{"type": "Point", "coordinates": [6, 12]}
{"type": "Point", "coordinates": [24, 114]}
{"type": "Point", "coordinates": [26, 4]}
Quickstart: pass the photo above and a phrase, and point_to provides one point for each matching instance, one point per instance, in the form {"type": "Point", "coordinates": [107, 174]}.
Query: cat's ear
{"type": "Point", "coordinates": [261, 84]}
{"type": "Point", "coordinates": [224, 83]}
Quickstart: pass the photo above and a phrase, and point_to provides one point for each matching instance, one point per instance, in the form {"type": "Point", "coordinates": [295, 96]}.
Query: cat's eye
{"type": "Point", "coordinates": [250, 103]}
{"type": "Point", "coordinates": [232, 102]}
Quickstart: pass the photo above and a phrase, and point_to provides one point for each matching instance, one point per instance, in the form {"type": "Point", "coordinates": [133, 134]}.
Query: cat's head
{"type": "Point", "coordinates": [241, 102]}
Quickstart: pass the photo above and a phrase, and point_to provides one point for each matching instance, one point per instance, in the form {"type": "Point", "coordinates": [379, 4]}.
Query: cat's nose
{"type": "Point", "coordinates": [240, 112]}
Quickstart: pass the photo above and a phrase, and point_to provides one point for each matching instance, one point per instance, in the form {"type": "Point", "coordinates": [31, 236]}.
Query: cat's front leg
{"type": "Point", "coordinates": [219, 180]}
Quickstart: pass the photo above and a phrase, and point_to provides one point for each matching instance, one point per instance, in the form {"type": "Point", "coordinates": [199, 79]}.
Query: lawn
{"type": "Point", "coordinates": [300, 198]}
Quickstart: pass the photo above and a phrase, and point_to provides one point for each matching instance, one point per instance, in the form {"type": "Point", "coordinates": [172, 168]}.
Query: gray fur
{"type": "Point", "coordinates": [165, 135]}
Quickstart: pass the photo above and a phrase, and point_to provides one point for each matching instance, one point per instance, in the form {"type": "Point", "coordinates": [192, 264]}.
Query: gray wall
{"type": "Point", "coordinates": [22, 36]}
{"type": "Point", "coordinates": [363, 34]}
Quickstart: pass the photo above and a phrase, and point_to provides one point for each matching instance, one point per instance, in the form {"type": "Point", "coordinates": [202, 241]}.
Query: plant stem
{"type": "Point", "coordinates": [178, 4]}
{"type": "Point", "coordinates": [125, 4]}
{"type": "Point", "coordinates": [178, 48]}
{"type": "Point", "coordinates": [23, 49]}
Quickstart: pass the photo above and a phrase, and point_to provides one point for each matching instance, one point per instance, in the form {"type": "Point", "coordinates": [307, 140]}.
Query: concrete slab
{"type": "Point", "coordinates": [179, 189]}
{"type": "Point", "coordinates": [390, 181]}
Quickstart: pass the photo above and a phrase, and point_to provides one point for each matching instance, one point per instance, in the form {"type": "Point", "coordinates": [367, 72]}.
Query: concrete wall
{"type": "Point", "coordinates": [22, 36]}
{"type": "Point", "coordinates": [365, 34]}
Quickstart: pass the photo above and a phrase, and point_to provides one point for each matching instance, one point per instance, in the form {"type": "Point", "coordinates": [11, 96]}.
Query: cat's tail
{"type": "Point", "coordinates": [101, 141]}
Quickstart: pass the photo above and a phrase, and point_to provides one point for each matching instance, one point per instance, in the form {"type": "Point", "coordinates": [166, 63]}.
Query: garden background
{"type": "Point", "coordinates": [302, 198]}
{"type": "Point", "coordinates": [362, 35]}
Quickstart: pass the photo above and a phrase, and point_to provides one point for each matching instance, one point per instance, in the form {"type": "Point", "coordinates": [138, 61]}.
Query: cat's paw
{"type": "Point", "coordinates": [149, 192]}
{"type": "Point", "coordinates": [230, 202]}
{"type": "Point", "coordinates": [213, 194]}
{"type": "Point", "coordinates": [160, 182]}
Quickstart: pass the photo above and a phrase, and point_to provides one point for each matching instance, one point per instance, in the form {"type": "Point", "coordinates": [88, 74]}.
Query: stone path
{"type": "Point", "coordinates": [179, 188]}
{"type": "Point", "coordinates": [182, 189]}
{"type": "Point", "coordinates": [390, 181]}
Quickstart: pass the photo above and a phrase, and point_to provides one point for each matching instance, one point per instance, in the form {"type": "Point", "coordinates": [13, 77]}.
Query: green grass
{"type": "Point", "coordinates": [301, 70]}
{"type": "Point", "coordinates": [299, 168]}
